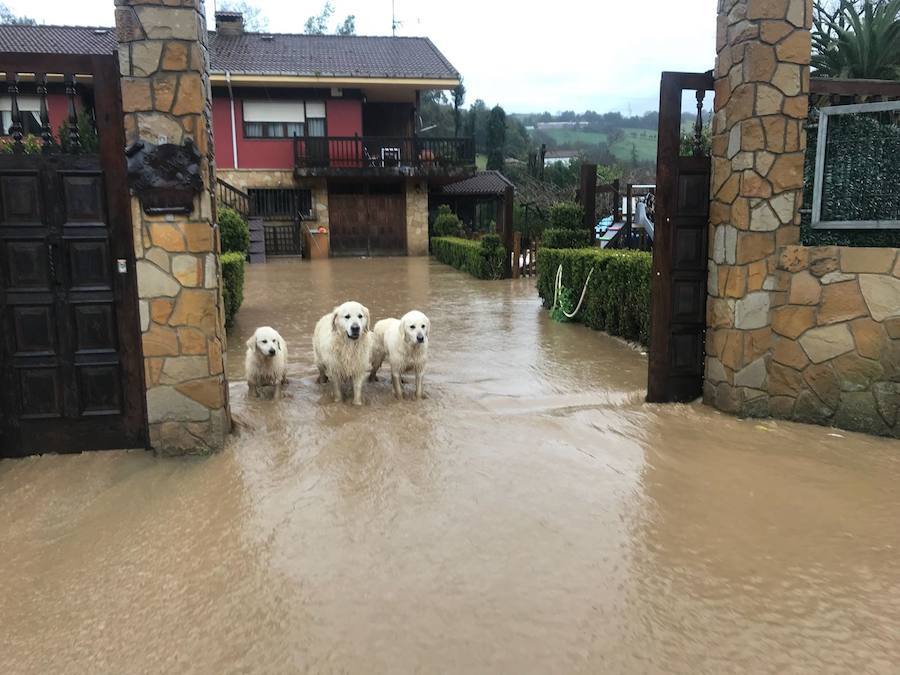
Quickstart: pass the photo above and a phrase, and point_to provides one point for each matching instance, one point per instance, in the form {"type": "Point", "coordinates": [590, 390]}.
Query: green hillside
{"type": "Point", "coordinates": [644, 141]}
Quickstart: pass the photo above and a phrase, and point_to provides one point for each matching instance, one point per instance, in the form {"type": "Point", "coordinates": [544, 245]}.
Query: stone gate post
{"type": "Point", "coordinates": [164, 65]}
{"type": "Point", "coordinates": [758, 144]}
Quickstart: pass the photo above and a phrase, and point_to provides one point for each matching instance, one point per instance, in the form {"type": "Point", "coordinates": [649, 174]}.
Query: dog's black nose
{"type": "Point", "coordinates": [271, 352]}
{"type": "Point", "coordinates": [420, 338]}
{"type": "Point", "coordinates": [354, 330]}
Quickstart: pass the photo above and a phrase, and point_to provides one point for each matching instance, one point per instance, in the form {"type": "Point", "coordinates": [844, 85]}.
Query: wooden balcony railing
{"type": "Point", "coordinates": [378, 152]}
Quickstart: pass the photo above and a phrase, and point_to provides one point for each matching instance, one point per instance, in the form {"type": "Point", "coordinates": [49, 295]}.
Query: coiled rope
{"type": "Point", "coordinates": [559, 287]}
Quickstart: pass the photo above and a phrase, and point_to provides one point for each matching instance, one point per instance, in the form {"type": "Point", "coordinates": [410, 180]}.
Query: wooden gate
{"type": "Point", "coordinates": [680, 253]}
{"type": "Point", "coordinates": [71, 375]}
{"type": "Point", "coordinates": [367, 220]}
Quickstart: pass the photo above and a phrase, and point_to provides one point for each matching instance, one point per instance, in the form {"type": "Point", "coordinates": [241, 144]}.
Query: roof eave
{"type": "Point", "coordinates": [218, 76]}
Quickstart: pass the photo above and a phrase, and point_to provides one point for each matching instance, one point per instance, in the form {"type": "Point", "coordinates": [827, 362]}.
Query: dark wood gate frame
{"type": "Point", "coordinates": [680, 249]}
{"type": "Point", "coordinates": [103, 73]}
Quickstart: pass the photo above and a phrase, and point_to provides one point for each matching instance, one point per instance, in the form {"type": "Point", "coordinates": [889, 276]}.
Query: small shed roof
{"type": "Point", "coordinates": [482, 183]}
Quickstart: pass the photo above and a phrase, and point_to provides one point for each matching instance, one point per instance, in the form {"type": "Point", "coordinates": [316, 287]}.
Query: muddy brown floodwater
{"type": "Point", "coordinates": [533, 515]}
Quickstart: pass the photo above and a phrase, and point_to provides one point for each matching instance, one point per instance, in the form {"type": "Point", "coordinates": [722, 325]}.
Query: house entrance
{"type": "Point", "coordinates": [367, 219]}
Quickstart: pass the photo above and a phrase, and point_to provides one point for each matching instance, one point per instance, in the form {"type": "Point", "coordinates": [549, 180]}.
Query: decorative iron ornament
{"type": "Point", "coordinates": [698, 125]}
{"type": "Point", "coordinates": [166, 177]}
{"type": "Point", "coordinates": [15, 129]}
{"type": "Point", "coordinates": [74, 136]}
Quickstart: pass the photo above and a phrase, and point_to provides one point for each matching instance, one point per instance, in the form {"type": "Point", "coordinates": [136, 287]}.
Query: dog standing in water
{"type": "Point", "coordinates": [404, 343]}
{"type": "Point", "coordinates": [342, 345]}
{"type": "Point", "coordinates": [265, 363]}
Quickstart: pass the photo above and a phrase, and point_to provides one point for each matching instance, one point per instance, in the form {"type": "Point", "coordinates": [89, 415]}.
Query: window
{"type": "Point", "coordinates": [283, 119]}
{"type": "Point", "coordinates": [280, 203]}
{"type": "Point", "coordinates": [29, 107]}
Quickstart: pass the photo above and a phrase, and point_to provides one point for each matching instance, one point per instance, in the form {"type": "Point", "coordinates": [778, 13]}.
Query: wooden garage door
{"type": "Point", "coordinates": [367, 220]}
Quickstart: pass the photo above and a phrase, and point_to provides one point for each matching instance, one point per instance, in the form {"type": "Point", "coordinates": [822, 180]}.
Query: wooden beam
{"type": "Point", "coordinates": [839, 87]}
{"type": "Point", "coordinates": [589, 196]}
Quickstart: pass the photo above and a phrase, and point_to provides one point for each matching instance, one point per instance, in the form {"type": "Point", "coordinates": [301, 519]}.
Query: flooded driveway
{"type": "Point", "coordinates": [533, 515]}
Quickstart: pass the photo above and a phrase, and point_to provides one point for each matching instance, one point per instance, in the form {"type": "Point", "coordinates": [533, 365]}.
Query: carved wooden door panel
{"type": "Point", "coordinates": [680, 250]}
{"type": "Point", "coordinates": [69, 352]}
{"type": "Point", "coordinates": [71, 367]}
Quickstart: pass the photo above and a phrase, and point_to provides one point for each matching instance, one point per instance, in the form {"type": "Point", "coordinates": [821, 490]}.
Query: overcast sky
{"type": "Point", "coordinates": [527, 56]}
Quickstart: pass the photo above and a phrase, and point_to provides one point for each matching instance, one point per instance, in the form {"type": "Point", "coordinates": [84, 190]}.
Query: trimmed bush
{"type": "Point", "coordinates": [232, 283]}
{"type": "Point", "coordinates": [446, 224]}
{"type": "Point", "coordinates": [556, 238]}
{"type": "Point", "coordinates": [482, 259]}
{"type": "Point", "coordinates": [567, 216]}
{"type": "Point", "coordinates": [618, 296]}
{"type": "Point", "coordinates": [234, 231]}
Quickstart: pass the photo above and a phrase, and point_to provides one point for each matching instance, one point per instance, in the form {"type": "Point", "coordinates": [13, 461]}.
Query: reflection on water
{"type": "Point", "coordinates": [532, 515]}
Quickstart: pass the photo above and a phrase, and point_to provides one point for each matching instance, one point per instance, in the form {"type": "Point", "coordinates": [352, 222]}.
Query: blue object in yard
{"type": "Point", "coordinates": [603, 225]}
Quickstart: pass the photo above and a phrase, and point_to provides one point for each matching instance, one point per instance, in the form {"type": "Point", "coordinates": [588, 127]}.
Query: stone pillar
{"type": "Point", "coordinates": [758, 144]}
{"type": "Point", "coordinates": [416, 217]}
{"type": "Point", "coordinates": [164, 65]}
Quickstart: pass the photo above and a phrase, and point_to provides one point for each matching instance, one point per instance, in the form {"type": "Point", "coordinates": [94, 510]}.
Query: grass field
{"type": "Point", "coordinates": [644, 141]}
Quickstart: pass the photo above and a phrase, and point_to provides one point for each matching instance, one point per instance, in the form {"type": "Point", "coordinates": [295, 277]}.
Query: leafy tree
{"type": "Point", "coordinates": [496, 138]}
{"type": "Point", "coordinates": [8, 16]}
{"type": "Point", "coordinates": [616, 135]}
{"type": "Point", "coordinates": [348, 27]}
{"type": "Point", "coordinates": [518, 143]}
{"type": "Point", "coordinates": [253, 18]}
{"type": "Point", "coordinates": [459, 97]}
{"type": "Point", "coordinates": [476, 124]}
{"type": "Point", "coordinates": [857, 39]}
{"type": "Point", "coordinates": [634, 155]}
{"type": "Point", "coordinates": [318, 23]}
{"type": "Point", "coordinates": [608, 173]}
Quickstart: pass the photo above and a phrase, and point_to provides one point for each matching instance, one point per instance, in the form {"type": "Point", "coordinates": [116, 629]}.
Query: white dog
{"type": "Point", "coordinates": [342, 344]}
{"type": "Point", "coordinates": [404, 343]}
{"type": "Point", "coordinates": [266, 361]}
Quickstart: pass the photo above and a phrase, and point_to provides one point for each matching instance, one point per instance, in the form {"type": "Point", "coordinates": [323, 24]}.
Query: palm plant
{"type": "Point", "coordinates": [857, 39]}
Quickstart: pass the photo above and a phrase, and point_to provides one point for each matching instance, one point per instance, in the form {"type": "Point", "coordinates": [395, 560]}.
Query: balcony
{"type": "Point", "coordinates": [383, 156]}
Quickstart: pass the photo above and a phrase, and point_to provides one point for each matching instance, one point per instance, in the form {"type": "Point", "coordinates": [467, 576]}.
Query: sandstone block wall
{"type": "Point", "coordinates": [416, 217]}
{"type": "Point", "coordinates": [803, 333]}
{"type": "Point", "coordinates": [164, 65]}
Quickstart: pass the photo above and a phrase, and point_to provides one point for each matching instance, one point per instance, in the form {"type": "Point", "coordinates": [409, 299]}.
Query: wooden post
{"type": "Point", "coordinates": [629, 217]}
{"type": "Point", "coordinates": [508, 199]}
{"type": "Point", "coordinates": [517, 254]}
{"type": "Point", "coordinates": [589, 197]}
{"type": "Point", "coordinates": [617, 204]}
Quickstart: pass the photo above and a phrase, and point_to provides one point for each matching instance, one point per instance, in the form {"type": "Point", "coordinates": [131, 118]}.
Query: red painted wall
{"type": "Point", "coordinates": [57, 108]}
{"type": "Point", "coordinates": [343, 118]}
{"type": "Point", "coordinates": [221, 127]}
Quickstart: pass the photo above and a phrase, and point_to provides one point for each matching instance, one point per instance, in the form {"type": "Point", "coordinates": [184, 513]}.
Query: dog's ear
{"type": "Point", "coordinates": [334, 320]}
{"type": "Point", "coordinates": [365, 311]}
{"type": "Point", "coordinates": [251, 341]}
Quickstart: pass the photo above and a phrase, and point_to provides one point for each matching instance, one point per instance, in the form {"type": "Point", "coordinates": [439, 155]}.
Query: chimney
{"type": "Point", "coordinates": [229, 23]}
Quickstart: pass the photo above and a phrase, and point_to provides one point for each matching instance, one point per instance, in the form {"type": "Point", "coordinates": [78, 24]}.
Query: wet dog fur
{"type": "Point", "coordinates": [342, 346]}
{"type": "Point", "coordinates": [404, 343]}
{"type": "Point", "coordinates": [265, 362]}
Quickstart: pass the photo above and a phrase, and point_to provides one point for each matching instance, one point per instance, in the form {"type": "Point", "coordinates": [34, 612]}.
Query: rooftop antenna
{"type": "Point", "coordinates": [394, 23]}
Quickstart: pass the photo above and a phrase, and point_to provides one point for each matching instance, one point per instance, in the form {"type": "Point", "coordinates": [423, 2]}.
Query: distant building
{"type": "Point", "coordinates": [559, 157]}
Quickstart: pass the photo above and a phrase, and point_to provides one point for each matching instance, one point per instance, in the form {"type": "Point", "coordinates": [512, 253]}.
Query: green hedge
{"type": "Point", "coordinates": [567, 216]}
{"type": "Point", "coordinates": [482, 259]}
{"type": "Point", "coordinates": [859, 181]}
{"type": "Point", "coordinates": [234, 231]}
{"type": "Point", "coordinates": [557, 238]}
{"type": "Point", "coordinates": [618, 297]}
{"type": "Point", "coordinates": [233, 284]}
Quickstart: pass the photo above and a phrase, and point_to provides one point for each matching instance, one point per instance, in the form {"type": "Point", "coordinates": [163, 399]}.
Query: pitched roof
{"type": "Point", "coordinates": [262, 53]}
{"type": "Point", "coordinates": [482, 183]}
{"type": "Point", "coordinates": [329, 55]}
{"type": "Point", "coordinates": [58, 39]}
